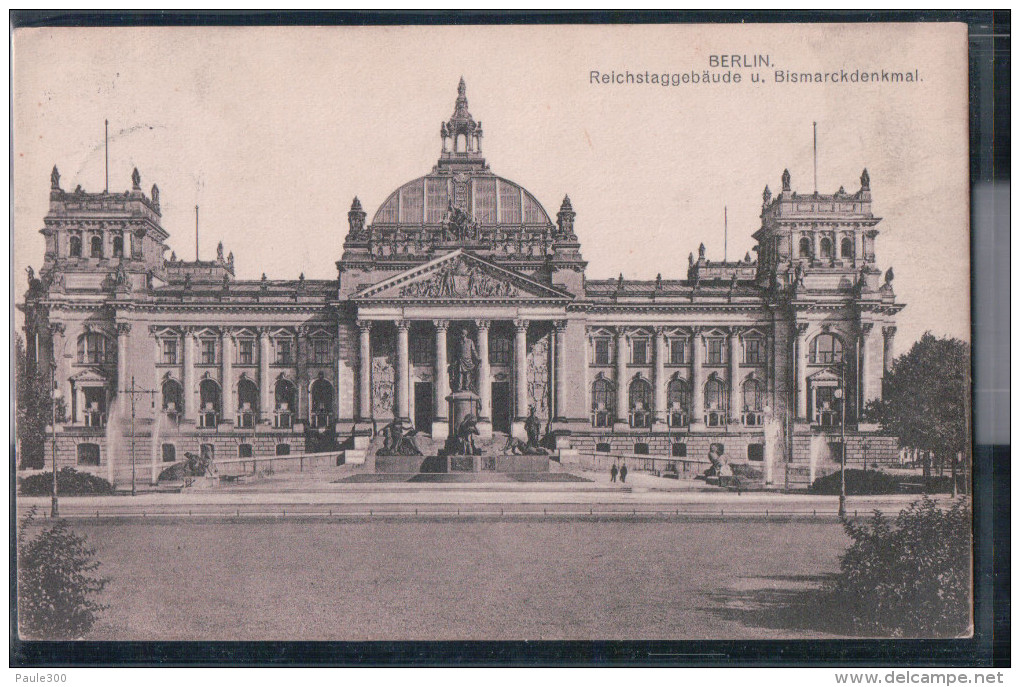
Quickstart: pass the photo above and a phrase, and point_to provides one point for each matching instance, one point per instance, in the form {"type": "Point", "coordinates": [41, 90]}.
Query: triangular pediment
{"type": "Point", "coordinates": [826, 375]}
{"type": "Point", "coordinates": [460, 276]}
{"type": "Point", "coordinates": [90, 375]}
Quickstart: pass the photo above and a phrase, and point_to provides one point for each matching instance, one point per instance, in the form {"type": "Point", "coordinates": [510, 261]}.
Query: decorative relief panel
{"type": "Point", "coordinates": [383, 376]}
{"type": "Point", "coordinates": [538, 376]}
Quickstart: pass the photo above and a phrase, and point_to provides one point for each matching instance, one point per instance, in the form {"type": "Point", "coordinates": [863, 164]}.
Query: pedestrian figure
{"type": "Point", "coordinates": [612, 473]}
{"type": "Point", "coordinates": [623, 472]}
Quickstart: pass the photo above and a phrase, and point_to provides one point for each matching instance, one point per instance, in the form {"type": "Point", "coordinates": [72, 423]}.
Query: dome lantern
{"type": "Point", "coordinates": [461, 134]}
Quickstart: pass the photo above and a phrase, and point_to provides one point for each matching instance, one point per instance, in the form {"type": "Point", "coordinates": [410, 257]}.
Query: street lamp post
{"type": "Point", "coordinates": [842, 440]}
{"type": "Point", "coordinates": [54, 395]}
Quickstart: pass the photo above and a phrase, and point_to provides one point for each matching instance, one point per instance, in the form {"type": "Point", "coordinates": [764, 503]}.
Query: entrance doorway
{"type": "Point", "coordinates": [423, 406]}
{"type": "Point", "coordinates": [501, 407]}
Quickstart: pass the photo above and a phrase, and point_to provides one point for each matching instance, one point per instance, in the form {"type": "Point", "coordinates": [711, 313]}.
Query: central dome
{"type": "Point", "coordinates": [490, 200]}
{"type": "Point", "coordinates": [461, 180]}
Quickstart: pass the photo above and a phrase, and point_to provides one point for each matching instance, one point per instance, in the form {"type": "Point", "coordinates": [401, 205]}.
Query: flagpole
{"type": "Point", "coordinates": [814, 126]}
{"type": "Point", "coordinates": [106, 149]}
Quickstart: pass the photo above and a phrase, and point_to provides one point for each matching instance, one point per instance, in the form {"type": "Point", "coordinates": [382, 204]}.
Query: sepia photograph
{"type": "Point", "coordinates": [675, 346]}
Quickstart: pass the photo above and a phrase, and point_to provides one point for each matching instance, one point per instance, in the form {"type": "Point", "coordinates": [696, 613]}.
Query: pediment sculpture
{"type": "Point", "coordinates": [460, 280]}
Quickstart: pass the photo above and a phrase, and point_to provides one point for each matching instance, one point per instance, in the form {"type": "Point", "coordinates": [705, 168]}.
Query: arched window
{"type": "Point", "coordinates": [286, 396]}
{"type": "Point", "coordinates": [825, 246]}
{"type": "Point", "coordinates": [173, 397]}
{"type": "Point", "coordinates": [96, 243]}
{"type": "Point", "coordinates": [754, 402]}
{"type": "Point", "coordinates": [716, 403]}
{"type": "Point", "coordinates": [603, 406]}
{"type": "Point", "coordinates": [827, 349]}
{"type": "Point", "coordinates": [640, 403]}
{"type": "Point", "coordinates": [322, 403]}
{"type": "Point", "coordinates": [118, 246]}
{"type": "Point", "coordinates": [209, 403]}
{"type": "Point", "coordinates": [247, 403]}
{"type": "Point", "coordinates": [846, 249]}
{"type": "Point", "coordinates": [678, 401]}
{"type": "Point", "coordinates": [75, 246]}
{"type": "Point", "coordinates": [93, 348]}
{"type": "Point", "coordinates": [805, 247]}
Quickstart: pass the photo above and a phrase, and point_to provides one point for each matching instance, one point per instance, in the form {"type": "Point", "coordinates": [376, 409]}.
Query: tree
{"type": "Point", "coordinates": [926, 397]}
{"type": "Point", "coordinates": [56, 582]}
{"type": "Point", "coordinates": [33, 410]}
{"type": "Point", "coordinates": [910, 577]}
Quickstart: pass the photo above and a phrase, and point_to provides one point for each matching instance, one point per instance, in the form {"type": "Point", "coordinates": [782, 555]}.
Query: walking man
{"type": "Point", "coordinates": [623, 472]}
{"type": "Point", "coordinates": [612, 473]}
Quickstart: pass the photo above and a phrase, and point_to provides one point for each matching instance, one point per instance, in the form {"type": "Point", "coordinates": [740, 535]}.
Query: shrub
{"type": "Point", "coordinates": [746, 472]}
{"type": "Point", "coordinates": [908, 578]}
{"type": "Point", "coordinates": [858, 482]}
{"type": "Point", "coordinates": [70, 482]}
{"type": "Point", "coordinates": [56, 583]}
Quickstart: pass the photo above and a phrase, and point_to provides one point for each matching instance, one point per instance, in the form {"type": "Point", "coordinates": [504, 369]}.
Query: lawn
{"type": "Point", "coordinates": [463, 579]}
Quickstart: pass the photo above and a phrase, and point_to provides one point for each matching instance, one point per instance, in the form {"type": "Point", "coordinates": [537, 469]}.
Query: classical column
{"type": "Point", "coordinates": [301, 379]}
{"type": "Point", "coordinates": [59, 342]}
{"type": "Point", "coordinates": [561, 369]}
{"type": "Point", "coordinates": [229, 401]}
{"type": "Point", "coordinates": [521, 368]}
{"type": "Point", "coordinates": [190, 393]}
{"type": "Point", "coordinates": [801, 362]}
{"type": "Point", "coordinates": [867, 388]}
{"type": "Point", "coordinates": [889, 347]}
{"type": "Point", "coordinates": [697, 378]}
{"type": "Point", "coordinates": [123, 381]}
{"type": "Point", "coordinates": [484, 374]}
{"type": "Point", "coordinates": [364, 370]}
{"type": "Point", "coordinates": [621, 378]}
{"type": "Point", "coordinates": [735, 395]}
{"type": "Point", "coordinates": [403, 404]}
{"type": "Point", "coordinates": [266, 405]}
{"type": "Point", "coordinates": [660, 379]}
{"type": "Point", "coordinates": [440, 413]}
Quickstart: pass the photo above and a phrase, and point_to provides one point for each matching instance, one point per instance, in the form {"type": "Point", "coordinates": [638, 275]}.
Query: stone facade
{"type": "Point", "coordinates": [773, 356]}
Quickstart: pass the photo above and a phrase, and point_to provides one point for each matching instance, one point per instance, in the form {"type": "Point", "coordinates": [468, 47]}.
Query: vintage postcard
{"type": "Point", "coordinates": [492, 332]}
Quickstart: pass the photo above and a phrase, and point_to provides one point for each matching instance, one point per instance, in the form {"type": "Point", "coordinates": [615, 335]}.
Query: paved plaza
{"type": "Point", "coordinates": [423, 579]}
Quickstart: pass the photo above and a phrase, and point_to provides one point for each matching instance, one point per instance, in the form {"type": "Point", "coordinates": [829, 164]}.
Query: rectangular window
{"type": "Point", "coordinates": [169, 453]}
{"type": "Point", "coordinates": [169, 351]}
{"type": "Point", "coordinates": [284, 356]}
{"type": "Point", "coordinates": [677, 351]}
{"type": "Point", "coordinates": [602, 356]}
{"type": "Point", "coordinates": [756, 452]}
{"type": "Point", "coordinates": [244, 451]}
{"type": "Point", "coordinates": [639, 351]}
{"type": "Point", "coordinates": [136, 247]}
{"type": "Point", "coordinates": [716, 347]}
{"type": "Point", "coordinates": [208, 351]}
{"type": "Point", "coordinates": [421, 350]}
{"type": "Point", "coordinates": [754, 351]}
{"type": "Point", "coordinates": [246, 352]}
{"type": "Point", "coordinates": [88, 454]}
{"type": "Point", "coordinates": [499, 350]}
{"type": "Point", "coordinates": [320, 349]}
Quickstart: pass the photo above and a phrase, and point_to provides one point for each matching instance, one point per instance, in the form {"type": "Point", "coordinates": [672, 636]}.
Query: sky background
{"type": "Point", "coordinates": [273, 131]}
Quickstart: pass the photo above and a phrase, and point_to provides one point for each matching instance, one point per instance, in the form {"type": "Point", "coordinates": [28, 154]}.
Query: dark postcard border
{"type": "Point", "coordinates": [989, 157]}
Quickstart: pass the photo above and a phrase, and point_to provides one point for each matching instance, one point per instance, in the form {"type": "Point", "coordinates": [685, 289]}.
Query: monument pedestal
{"type": "Point", "coordinates": [440, 429]}
{"type": "Point", "coordinates": [462, 404]}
